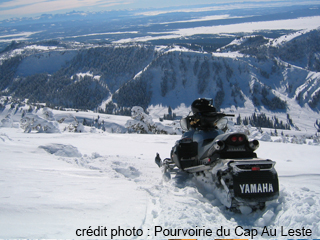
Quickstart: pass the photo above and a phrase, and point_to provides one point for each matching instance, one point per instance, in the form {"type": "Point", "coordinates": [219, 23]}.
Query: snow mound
{"type": "Point", "coordinates": [47, 114]}
{"type": "Point", "coordinates": [7, 121]}
{"type": "Point", "coordinates": [143, 123]}
{"type": "Point", "coordinates": [115, 166]}
{"type": "Point", "coordinates": [261, 136]}
{"type": "Point", "coordinates": [31, 122]}
{"type": "Point", "coordinates": [266, 218]}
{"type": "Point", "coordinates": [129, 172]}
{"type": "Point", "coordinates": [62, 150]}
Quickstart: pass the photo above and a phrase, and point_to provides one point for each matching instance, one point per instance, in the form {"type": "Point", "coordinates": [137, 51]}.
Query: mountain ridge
{"type": "Point", "coordinates": [265, 78]}
{"type": "Point", "coordinates": [250, 71]}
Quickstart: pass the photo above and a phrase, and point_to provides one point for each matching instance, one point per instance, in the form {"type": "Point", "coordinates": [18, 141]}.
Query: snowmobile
{"type": "Point", "coordinates": [224, 163]}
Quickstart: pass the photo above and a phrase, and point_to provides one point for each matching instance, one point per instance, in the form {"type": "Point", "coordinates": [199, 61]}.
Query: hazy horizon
{"type": "Point", "coordinates": [32, 8]}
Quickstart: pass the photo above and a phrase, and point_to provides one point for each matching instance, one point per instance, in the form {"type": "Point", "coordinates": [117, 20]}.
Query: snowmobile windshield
{"type": "Point", "coordinates": [185, 124]}
{"type": "Point", "coordinates": [222, 123]}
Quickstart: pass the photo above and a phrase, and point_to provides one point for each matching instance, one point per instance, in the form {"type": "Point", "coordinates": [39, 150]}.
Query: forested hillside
{"type": "Point", "coordinates": [92, 75]}
{"type": "Point", "coordinates": [262, 72]}
{"type": "Point", "coordinates": [251, 70]}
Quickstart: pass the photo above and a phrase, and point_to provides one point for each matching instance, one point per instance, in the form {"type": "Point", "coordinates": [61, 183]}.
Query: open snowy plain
{"type": "Point", "coordinates": [98, 184]}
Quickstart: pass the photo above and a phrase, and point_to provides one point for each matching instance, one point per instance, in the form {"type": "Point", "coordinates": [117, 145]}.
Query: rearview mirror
{"type": "Point", "coordinates": [185, 124]}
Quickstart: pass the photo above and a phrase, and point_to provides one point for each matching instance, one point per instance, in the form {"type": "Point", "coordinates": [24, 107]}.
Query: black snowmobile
{"type": "Point", "coordinates": [224, 163]}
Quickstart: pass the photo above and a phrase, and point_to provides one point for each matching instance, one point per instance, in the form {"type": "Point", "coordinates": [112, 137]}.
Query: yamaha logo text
{"type": "Point", "coordinates": [256, 188]}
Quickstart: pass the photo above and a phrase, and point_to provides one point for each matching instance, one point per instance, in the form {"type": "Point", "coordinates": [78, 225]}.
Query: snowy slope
{"type": "Point", "coordinates": [234, 81]}
{"type": "Point", "coordinates": [252, 73]}
{"type": "Point", "coordinates": [54, 184]}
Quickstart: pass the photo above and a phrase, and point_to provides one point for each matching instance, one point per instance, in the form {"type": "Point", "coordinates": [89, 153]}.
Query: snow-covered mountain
{"type": "Point", "coordinates": [252, 73]}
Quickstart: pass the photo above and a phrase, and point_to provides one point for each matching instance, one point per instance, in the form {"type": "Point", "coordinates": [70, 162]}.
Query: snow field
{"type": "Point", "coordinates": [57, 197]}
{"type": "Point", "coordinates": [54, 184]}
{"type": "Point", "coordinates": [305, 23]}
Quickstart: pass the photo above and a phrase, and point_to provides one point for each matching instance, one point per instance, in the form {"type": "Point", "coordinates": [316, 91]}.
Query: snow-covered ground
{"type": "Point", "coordinates": [306, 23]}
{"type": "Point", "coordinates": [79, 185]}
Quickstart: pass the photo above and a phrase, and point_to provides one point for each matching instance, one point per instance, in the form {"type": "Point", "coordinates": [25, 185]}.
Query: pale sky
{"type": "Point", "coordinates": [26, 8]}
{"type": "Point", "coordinates": [33, 8]}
